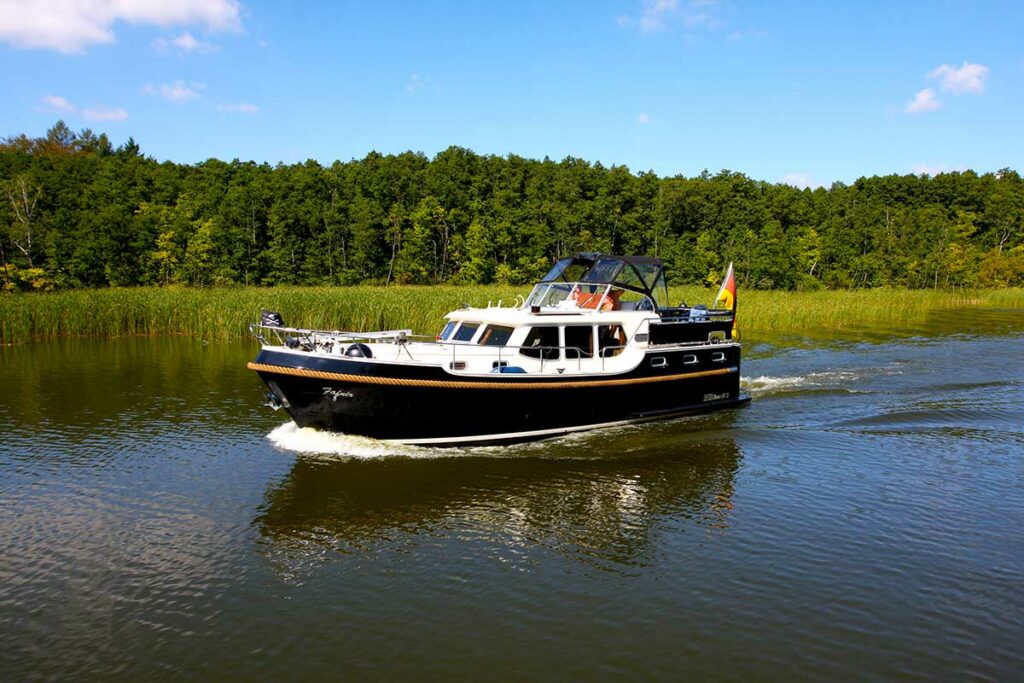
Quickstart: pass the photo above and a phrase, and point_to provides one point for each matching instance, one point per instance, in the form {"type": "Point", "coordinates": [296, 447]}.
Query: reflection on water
{"type": "Point", "coordinates": [861, 518]}
{"type": "Point", "coordinates": [600, 510]}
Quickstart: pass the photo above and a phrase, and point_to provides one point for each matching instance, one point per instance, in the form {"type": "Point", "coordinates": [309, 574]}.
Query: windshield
{"type": "Point", "coordinates": [603, 271]}
{"type": "Point", "coordinates": [566, 270]}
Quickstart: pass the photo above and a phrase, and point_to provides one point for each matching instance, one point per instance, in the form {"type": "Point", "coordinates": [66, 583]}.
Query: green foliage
{"type": "Point", "coordinates": [87, 215]}
{"type": "Point", "coordinates": [15, 279]}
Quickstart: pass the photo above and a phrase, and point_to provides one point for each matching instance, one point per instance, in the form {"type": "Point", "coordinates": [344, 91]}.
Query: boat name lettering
{"type": "Point", "coordinates": [335, 394]}
{"type": "Point", "coordinates": [715, 397]}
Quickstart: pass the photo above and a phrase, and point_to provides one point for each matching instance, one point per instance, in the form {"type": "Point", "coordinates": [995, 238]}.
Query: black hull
{"type": "Point", "coordinates": [416, 404]}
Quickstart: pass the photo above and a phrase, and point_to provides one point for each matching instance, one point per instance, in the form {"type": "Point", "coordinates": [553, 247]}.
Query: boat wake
{"type": "Point", "coordinates": [310, 441]}
{"type": "Point", "coordinates": [835, 380]}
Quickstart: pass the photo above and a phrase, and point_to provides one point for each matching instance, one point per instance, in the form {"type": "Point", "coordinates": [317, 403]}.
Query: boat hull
{"type": "Point", "coordinates": [428, 405]}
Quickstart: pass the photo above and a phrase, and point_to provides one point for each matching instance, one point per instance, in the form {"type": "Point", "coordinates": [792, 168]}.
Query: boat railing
{"type": "Point", "coordinates": [692, 314]}
{"type": "Point", "coordinates": [310, 340]}
{"type": "Point", "coordinates": [310, 336]}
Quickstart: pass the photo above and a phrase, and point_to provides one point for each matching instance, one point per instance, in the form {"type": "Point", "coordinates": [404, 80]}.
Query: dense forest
{"type": "Point", "coordinates": [78, 212]}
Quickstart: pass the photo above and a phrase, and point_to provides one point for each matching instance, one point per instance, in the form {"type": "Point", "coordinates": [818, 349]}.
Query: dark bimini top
{"type": "Point", "coordinates": [644, 274]}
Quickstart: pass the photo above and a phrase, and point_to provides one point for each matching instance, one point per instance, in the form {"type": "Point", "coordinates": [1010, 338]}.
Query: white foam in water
{"type": "Point", "coordinates": [759, 386]}
{"type": "Point", "coordinates": [291, 437]}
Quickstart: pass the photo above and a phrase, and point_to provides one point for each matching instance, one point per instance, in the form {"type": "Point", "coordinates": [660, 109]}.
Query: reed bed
{"type": "Point", "coordinates": [223, 313]}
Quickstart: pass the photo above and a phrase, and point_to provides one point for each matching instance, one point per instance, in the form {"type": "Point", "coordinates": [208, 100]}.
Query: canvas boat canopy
{"type": "Point", "coordinates": [642, 274]}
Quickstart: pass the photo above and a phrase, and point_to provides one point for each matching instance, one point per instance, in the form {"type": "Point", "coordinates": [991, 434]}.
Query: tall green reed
{"type": "Point", "coordinates": [223, 313]}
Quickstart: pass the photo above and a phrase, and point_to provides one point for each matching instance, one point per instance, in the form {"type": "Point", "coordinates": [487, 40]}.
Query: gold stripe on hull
{"type": "Point", "coordinates": [456, 384]}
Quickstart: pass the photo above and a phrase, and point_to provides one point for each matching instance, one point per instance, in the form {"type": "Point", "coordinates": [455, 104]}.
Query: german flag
{"type": "Point", "coordinates": [726, 298]}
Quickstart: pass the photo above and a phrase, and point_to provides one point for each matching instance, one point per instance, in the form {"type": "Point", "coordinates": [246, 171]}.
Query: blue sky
{"type": "Point", "coordinates": [805, 93]}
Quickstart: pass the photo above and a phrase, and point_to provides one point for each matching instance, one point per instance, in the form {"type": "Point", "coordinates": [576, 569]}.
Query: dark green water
{"type": "Point", "coordinates": [862, 519]}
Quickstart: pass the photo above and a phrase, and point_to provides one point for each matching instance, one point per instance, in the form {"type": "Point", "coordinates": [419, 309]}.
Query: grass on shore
{"type": "Point", "coordinates": [222, 313]}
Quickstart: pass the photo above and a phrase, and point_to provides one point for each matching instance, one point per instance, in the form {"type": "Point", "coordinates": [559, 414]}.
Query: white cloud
{"type": "Point", "coordinates": [923, 101]}
{"type": "Point", "coordinates": [239, 108]}
{"type": "Point", "coordinates": [178, 91]}
{"type": "Point", "coordinates": [935, 169]}
{"type": "Point", "coordinates": [186, 42]}
{"type": "Point", "coordinates": [657, 15]}
{"type": "Point", "coordinates": [96, 113]}
{"type": "Point", "coordinates": [800, 180]}
{"type": "Point", "coordinates": [59, 103]}
{"type": "Point", "coordinates": [969, 78]}
{"type": "Point", "coordinates": [70, 26]}
{"type": "Point", "coordinates": [105, 113]}
{"type": "Point", "coordinates": [643, 118]}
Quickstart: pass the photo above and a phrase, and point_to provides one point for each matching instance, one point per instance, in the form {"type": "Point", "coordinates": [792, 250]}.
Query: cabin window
{"type": "Point", "coordinates": [610, 340]}
{"type": "Point", "coordinates": [633, 301]}
{"type": "Point", "coordinates": [466, 332]}
{"type": "Point", "coordinates": [579, 341]}
{"type": "Point", "coordinates": [548, 295]}
{"type": "Point", "coordinates": [447, 331]}
{"type": "Point", "coordinates": [495, 335]}
{"type": "Point", "coordinates": [541, 342]}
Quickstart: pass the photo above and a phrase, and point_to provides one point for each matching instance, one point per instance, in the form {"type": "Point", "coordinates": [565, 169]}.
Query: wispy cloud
{"type": "Point", "coordinates": [969, 78]}
{"type": "Point", "coordinates": [56, 103]}
{"type": "Point", "coordinates": [643, 118]}
{"type": "Point", "coordinates": [416, 82]}
{"type": "Point", "coordinates": [239, 108]}
{"type": "Point", "coordinates": [745, 34]}
{"type": "Point", "coordinates": [800, 181]}
{"type": "Point", "coordinates": [936, 169]}
{"type": "Point", "coordinates": [183, 43]}
{"type": "Point", "coordinates": [177, 91]}
{"type": "Point", "coordinates": [658, 15]}
{"type": "Point", "coordinates": [72, 26]}
{"type": "Point", "coordinates": [923, 101]}
{"type": "Point", "coordinates": [105, 113]}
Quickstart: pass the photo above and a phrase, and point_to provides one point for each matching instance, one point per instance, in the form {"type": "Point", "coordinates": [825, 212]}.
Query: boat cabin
{"type": "Point", "coordinates": [590, 314]}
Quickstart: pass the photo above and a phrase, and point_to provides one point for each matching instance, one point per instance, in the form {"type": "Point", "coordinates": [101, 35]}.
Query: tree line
{"type": "Point", "coordinates": [77, 211]}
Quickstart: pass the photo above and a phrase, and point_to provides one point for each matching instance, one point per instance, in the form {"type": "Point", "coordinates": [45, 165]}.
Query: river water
{"type": "Point", "coordinates": [863, 518]}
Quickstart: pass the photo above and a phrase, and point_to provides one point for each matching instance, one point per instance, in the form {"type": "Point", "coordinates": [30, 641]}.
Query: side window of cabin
{"type": "Point", "coordinates": [447, 331]}
{"type": "Point", "coordinates": [610, 340]}
{"type": "Point", "coordinates": [541, 342]}
{"type": "Point", "coordinates": [466, 332]}
{"type": "Point", "coordinates": [579, 341]}
{"type": "Point", "coordinates": [495, 335]}
{"type": "Point", "coordinates": [633, 301]}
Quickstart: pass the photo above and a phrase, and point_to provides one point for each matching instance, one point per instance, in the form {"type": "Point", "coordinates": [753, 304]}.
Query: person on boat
{"type": "Point", "coordinates": [611, 302]}
{"type": "Point", "coordinates": [596, 300]}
